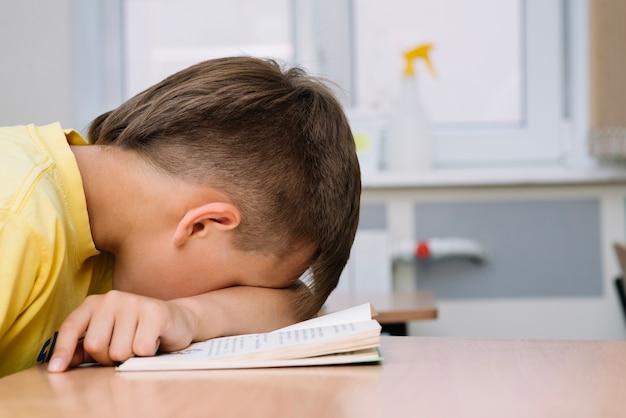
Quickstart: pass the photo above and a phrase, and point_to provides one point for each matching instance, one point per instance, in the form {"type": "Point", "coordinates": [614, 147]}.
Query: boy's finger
{"type": "Point", "coordinates": [98, 337]}
{"type": "Point", "coordinates": [67, 350]}
{"type": "Point", "coordinates": [59, 363]}
{"type": "Point", "coordinates": [123, 334]}
{"type": "Point", "coordinates": [146, 340]}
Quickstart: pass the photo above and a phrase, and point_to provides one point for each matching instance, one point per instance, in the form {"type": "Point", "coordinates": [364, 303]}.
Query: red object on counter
{"type": "Point", "coordinates": [422, 251]}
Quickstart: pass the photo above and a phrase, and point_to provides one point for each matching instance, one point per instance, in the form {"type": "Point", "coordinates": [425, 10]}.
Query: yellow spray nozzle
{"type": "Point", "coordinates": [421, 51]}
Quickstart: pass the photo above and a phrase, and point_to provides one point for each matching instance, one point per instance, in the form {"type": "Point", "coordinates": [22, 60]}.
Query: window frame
{"type": "Point", "coordinates": [539, 139]}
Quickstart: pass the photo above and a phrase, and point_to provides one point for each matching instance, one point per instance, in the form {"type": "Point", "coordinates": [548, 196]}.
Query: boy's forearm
{"type": "Point", "coordinates": [240, 310]}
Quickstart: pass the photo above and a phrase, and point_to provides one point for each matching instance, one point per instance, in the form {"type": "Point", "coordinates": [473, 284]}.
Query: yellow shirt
{"type": "Point", "coordinates": [48, 261]}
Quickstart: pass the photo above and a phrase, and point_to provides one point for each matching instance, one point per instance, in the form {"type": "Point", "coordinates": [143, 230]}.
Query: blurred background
{"type": "Point", "coordinates": [506, 114]}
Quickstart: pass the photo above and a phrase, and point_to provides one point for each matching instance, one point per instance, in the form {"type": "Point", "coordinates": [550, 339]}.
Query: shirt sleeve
{"type": "Point", "coordinates": [21, 269]}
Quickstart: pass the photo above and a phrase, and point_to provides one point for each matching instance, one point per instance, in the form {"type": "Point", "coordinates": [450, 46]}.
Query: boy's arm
{"type": "Point", "coordinates": [116, 326]}
{"type": "Point", "coordinates": [241, 310]}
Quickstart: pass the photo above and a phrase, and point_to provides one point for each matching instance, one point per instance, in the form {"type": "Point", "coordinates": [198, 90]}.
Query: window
{"type": "Point", "coordinates": [500, 97]}
{"type": "Point", "coordinates": [164, 36]}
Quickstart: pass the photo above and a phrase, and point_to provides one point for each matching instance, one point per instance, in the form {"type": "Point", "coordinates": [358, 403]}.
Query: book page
{"type": "Point", "coordinates": [358, 313]}
{"type": "Point", "coordinates": [249, 344]}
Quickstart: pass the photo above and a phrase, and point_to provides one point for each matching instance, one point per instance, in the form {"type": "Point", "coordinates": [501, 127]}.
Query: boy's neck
{"type": "Point", "coordinates": [124, 194]}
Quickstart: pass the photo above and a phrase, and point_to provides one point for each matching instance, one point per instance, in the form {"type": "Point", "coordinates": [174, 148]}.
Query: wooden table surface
{"type": "Point", "coordinates": [419, 377]}
{"type": "Point", "coordinates": [392, 307]}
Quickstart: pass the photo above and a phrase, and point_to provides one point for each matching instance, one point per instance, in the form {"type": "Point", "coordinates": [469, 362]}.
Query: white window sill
{"type": "Point", "coordinates": [486, 177]}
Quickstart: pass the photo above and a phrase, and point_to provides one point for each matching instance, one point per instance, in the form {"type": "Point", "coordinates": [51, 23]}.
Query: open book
{"type": "Point", "coordinates": [348, 336]}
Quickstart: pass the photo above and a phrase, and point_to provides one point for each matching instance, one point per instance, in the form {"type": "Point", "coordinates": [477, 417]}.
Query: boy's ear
{"type": "Point", "coordinates": [203, 220]}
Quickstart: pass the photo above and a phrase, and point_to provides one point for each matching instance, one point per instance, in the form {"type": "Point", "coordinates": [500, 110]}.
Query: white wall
{"type": "Point", "coordinates": [35, 75]}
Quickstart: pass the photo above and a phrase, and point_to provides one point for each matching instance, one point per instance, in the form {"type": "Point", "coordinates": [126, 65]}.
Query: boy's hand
{"type": "Point", "coordinates": [115, 326]}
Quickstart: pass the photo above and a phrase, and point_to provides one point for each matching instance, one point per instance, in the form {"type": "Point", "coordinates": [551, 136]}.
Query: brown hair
{"type": "Point", "coordinates": [277, 141]}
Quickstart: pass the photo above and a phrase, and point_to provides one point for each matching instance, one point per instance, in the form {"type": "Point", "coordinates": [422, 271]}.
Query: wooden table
{"type": "Point", "coordinates": [420, 377]}
{"type": "Point", "coordinates": [395, 309]}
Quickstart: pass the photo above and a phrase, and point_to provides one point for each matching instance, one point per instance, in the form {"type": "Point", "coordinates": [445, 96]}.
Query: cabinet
{"type": "Point", "coordinates": [550, 261]}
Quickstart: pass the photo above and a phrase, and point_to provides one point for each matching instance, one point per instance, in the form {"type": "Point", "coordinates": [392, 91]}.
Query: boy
{"type": "Point", "coordinates": [200, 202]}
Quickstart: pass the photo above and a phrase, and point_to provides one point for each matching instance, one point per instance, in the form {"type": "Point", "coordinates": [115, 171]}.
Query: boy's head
{"type": "Point", "coordinates": [276, 142]}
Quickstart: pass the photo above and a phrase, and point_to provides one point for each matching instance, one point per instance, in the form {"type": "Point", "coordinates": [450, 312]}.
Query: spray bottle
{"type": "Point", "coordinates": [408, 145]}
